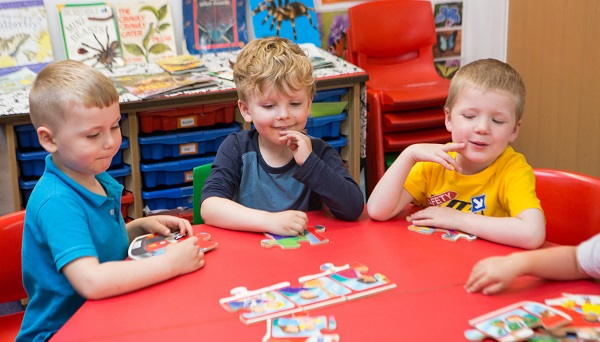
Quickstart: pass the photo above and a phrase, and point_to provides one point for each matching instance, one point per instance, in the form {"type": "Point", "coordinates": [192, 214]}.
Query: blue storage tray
{"type": "Point", "coordinates": [27, 186]}
{"type": "Point", "coordinates": [325, 126]}
{"type": "Point", "coordinates": [331, 95]}
{"type": "Point", "coordinates": [184, 144]}
{"type": "Point", "coordinates": [173, 172]}
{"type": "Point", "coordinates": [337, 143]}
{"type": "Point", "coordinates": [32, 163]}
{"type": "Point", "coordinates": [169, 198]}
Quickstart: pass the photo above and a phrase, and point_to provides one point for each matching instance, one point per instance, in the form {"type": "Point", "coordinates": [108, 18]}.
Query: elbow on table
{"type": "Point", "coordinates": [534, 240]}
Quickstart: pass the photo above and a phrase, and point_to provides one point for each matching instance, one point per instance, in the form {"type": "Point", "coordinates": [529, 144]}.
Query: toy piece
{"type": "Point", "coordinates": [149, 245]}
{"type": "Point", "coordinates": [447, 234]}
{"type": "Point", "coordinates": [301, 327]}
{"type": "Point", "coordinates": [585, 313]}
{"type": "Point", "coordinates": [333, 285]}
{"type": "Point", "coordinates": [311, 235]}
{"type": "Point", "coordinates": [516, 322]}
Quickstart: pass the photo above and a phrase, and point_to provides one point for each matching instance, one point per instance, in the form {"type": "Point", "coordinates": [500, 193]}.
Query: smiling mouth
{"type": "Point", "coordinates": [479, 144]}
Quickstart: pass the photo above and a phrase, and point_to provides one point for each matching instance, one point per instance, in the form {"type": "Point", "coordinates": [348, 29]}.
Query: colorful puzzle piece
{"type": "Point", "coordinates": [311, 235]}
{"type": "Point", "coordinates": [332, 285]}
{"type": "Point", "coordinates": [301, 327]}
{"type": "Point", "coordinates": [149, 245]}
{"type": "Point", "coordinates": [447, 234]}
{"type": "Point", "coordinates": [516, 322]}
{"type": "Point", "coordinates": [585, 314]}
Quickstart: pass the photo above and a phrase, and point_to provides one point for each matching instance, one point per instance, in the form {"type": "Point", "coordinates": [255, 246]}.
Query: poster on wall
{"type": "Point", "coordinates": [333, 26]}
{"type": "Point", "coordinates": [295, 20]}
{"type": "Point", "coordinates": [447, 51]}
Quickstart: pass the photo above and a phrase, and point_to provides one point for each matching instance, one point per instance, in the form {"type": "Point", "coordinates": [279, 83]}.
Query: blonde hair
{"type": "Point", "coordinates": [272, 61]}
{"type": "Point", "coordinates": [488, 74]}
{"type": "Point", "coordinates": [61, 85]}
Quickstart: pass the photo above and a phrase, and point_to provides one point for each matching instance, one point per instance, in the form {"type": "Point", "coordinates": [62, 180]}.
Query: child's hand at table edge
{"type": "Point", "coordinates": [492, 275]}
{"type": "Point", "coordinates": [287, 223]}
{"type": "Point", "coordinates": [166, 224]}
{"type": "Point", "coordinates": [185, 256]}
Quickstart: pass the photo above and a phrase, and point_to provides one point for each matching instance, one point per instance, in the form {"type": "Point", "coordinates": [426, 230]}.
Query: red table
{"type": "Point", "coordinates": [429, 303]}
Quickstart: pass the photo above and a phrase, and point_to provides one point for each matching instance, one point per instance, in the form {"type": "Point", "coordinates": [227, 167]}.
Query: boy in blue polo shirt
{"type": "Point", "coordinates": [75, 240]}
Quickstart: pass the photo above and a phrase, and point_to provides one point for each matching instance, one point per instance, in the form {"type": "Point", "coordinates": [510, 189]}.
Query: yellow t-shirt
{"type": "Point", "coordinates": [503, 189]}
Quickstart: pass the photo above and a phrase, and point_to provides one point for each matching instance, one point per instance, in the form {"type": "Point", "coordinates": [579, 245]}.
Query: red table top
{"type": "Point", "coordinates": [428, 304]}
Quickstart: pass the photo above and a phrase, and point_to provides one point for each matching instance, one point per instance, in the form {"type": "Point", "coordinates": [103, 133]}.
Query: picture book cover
{"type": "Point", "coordinates": [302, 327]}
{"type": "Point", "coordinates": [146, 31]}
{"type": "Point", "coordinates": [214, 25]}
{"type": "Point", "coordinates": [24, 38]}
{"type": "Point", "coordinates": [90, 34]}
{"type": "Point", "coordinates": [182, 64]}
{"type": "Point", "coordinates": [295, 20]}
{"type": "Point", "coordinates": [148, 86]}
{"type": "Point", "coordinates": [150, 245]}
{"type": "Point", "coordinates": [22, 78]}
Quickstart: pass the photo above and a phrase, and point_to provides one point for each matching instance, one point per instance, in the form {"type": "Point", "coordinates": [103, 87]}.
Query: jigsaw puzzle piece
{"type": "Point", "coordinates": [312, 235]}
{"type": "Point", "coordinates": [205, 242]}
{"type": "Point", "coordinates": [447, 234]}
{"type": "Point", "coordinates": [302, 327]}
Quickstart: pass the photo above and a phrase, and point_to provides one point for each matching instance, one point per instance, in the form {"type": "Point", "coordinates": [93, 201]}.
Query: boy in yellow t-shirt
{"type": "Point", "coordinates": [477, 183]}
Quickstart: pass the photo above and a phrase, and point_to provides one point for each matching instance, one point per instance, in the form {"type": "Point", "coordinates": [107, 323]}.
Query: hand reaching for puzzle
{"type": "Point", "coordinates": [287, 223]}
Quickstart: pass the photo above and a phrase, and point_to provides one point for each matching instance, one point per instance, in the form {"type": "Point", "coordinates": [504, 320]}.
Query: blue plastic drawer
{"type": "Point", "coordinates": [337, 143]}
{"type": "Point", "coordinates": [173, 172]}
{"type": "Point", "coordinates": [27, 136]}
{"type": "Point", "coordinates": [32, 163]}
{"type": "Point", "coordinates": [169, 198]}
{"type": "Point", "coordinates": [325, 126]}
{"type": "Point", "coordinates": [158, 147]}
{"type": "Point", "coordinates": [27, 186]}
{"type": "Point", "coordinates": [331, 95]}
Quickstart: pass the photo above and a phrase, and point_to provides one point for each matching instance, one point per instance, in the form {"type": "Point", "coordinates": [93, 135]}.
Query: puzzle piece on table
{"type": "Point", "coordinates": [585, 314]}
{"type": "Point", "coordinates": [301, 327]}
{"type": "Point", "coordinates": [149, 245]}
{"type": "Point", "coordinates": [312, 235]}
{"type": "Point", "coordinates": [516, 322]}
{"type": "Point", "coordinates": [333, 285]}
{"type": "Point", "coordinates": [447, 234]}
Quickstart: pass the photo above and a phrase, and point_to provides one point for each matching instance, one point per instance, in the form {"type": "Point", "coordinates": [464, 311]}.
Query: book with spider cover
{"type": "Point", "coordinates": [90, 34]}
{"type": "Point", "coordinates": [24, 38]}
{"type": "Point", "coordinates": [214, 25]}
{"type": "Point", "coordinates": [146, 31]}
{"type": "Point", "coordinates": [295, 20]}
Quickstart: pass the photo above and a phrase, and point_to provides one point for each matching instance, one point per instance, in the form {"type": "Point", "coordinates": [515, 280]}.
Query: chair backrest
{"type": "Point", "coordinates": [384, 34]}
{"type": "Point", "coordinates": [11, 233]}
{"type": "Point", "coordinates": [570, 201]}
{"type": "Point", "coordinates": [200, 174]}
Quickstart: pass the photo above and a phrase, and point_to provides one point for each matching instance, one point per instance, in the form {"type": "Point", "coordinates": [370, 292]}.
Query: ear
{"type": "Point", "coordinates": [244, 111]}
{"type": "Point", "coordinates": [515, 132]}
{"type": "Point", "coordinates": [447, 121]}
{"type": "Point", "coordinates": [46, 138]}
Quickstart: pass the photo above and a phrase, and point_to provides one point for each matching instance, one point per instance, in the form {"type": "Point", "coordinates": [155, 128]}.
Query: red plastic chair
{"type": "Point", "coordinates": [392, 41]}
{"type": "Point", "coordinates": [11, 284]}
{"type": "Point", "coordinates": [570, 201]}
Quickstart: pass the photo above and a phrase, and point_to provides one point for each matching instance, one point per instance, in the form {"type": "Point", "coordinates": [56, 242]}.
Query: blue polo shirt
{"type": "Point", "coordinates": [63, 222]}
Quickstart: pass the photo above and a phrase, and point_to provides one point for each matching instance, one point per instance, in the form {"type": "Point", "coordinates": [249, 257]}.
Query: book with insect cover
{"type": "Point", "coordinates": [24, 38]}
{"type": "Point", "coordinates": [214, 25]}
{"type": "Point", "coordinates": [90, 34]}
{"type": "Point", "coordinates": [146, 31]}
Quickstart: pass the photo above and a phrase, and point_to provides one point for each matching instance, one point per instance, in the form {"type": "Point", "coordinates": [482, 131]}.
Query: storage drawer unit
{"type": "Point", "coordinates": [187, 117]}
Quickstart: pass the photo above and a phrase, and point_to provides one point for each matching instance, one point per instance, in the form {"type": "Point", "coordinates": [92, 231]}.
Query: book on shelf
{"type": "Point", "coordinates": [181, 64]}
{"type": "Point", "coordinates": [320, 62]}
{"type": "Point", "coordinates": [24, 38]}
{"type": "Point", "coordinates": [149, 86]}
{"type": "Point", "coordinates": [225, 74]}
{"type": "Point", "coordinates": [90, 34]}
{"type": "Point", "coordinates": [17, 80]}
{"type": "Point", "coordinates": [146, 31]}
{"type": "Point", "coordinates": [214, 25]}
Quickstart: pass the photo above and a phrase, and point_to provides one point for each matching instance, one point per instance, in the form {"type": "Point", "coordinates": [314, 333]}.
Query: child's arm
{"type": "Point", "coordinates": [389, 197]}
{"type": "Point", "coordinates": [228, 214]}
{"type": "Point", "coordinates": [94, 280]}
{"type": "Point", "coordinates": [527, 230]}
{"type": "Point", "coordinates": [494, 274]}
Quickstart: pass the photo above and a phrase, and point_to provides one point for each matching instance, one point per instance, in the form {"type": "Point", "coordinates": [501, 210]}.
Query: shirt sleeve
{"type": "Point", "coordinates": [588, 255]}
{"type": "Point", "coordinates": [225, 174]}
{"type": "Point", "coordinates": [324, 173]}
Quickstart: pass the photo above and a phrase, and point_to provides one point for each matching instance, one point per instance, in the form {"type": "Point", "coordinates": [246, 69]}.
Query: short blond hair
{"type": "Point", "coordinates": [272, 61]}
{"type": "Point", "coordinates": [61, 85]}
{"type": "Point", "coordinates": [488, 74]}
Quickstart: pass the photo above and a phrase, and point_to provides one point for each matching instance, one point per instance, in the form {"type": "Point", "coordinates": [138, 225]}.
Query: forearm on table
{"type": "Point", "coordinates": [554, 263]}
{"type": "Point", "coordinates": [225, 213]}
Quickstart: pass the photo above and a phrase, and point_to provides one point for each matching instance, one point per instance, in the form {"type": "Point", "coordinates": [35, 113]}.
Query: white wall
{"type": "Point", "coordinates": [484, 35]}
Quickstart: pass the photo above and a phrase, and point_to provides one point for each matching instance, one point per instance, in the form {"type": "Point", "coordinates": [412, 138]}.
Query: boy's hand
{"type": "Point", "coordinates": [185, 256]}
{"type": "Point", "coordinates": [492, 275]}
{"type": "Point", "coordinates": [437, 153]}
{"type": "Point", "coordinates": [299, 143]}
{"type": "Point", "coordinates": [287, 223]}
{"type": "Point", "coordinates": [440, 217]}
{"type": "Point", "coordinates": [165, 224]}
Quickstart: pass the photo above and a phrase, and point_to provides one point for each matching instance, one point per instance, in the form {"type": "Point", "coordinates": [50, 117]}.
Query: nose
{"type": "Point", "coordinates": [282, 114]}
{"type": "Point", "coordinates": [112, 140]}
{"type": "Point", "coordinates": [482, 126]}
